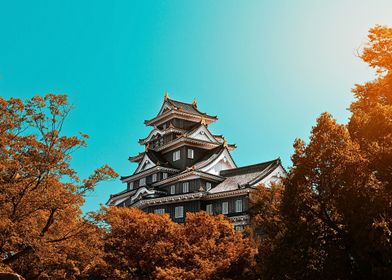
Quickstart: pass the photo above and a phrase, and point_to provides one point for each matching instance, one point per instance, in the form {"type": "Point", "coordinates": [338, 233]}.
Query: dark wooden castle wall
{"type": "Point", "coordinates": [217, 205]}
{"type": "Point", "coordinates": [194, 186]}
{"type": "Point", "coordinates": [184, 161]}
{"type": "Point", "coordinates": [189, 206]}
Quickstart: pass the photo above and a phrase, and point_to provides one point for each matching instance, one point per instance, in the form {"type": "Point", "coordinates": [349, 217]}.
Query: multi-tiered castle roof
{"type": "Point", "coordinates": [184, 162]}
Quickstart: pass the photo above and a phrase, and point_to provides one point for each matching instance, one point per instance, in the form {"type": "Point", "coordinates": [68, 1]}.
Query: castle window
{"type": "Point", "coordinates": [239, 228]}
{"type": "Point", "coordinates": [190, 153]}
{"type": "Point", "coordinates": [179, 212]}
{"type": "Point", "coordinates": [142, 182]}
{"type": "Point", "coordinates": [176, 155]}
{"type": "Point", "coordinates": [154, 177]}
{"type": "Point", "coordinates": [159, 211]}
{"type": "Point", "coordinates": [238, 205]}
{"type": "Point", "coordinates": [130, 185]}
{"type": "Point", "coordinates": [208, 186]}
{"type": "Point", "coordinates": [172, 189]}
{"type": "Point", "coordinates": [218, 208]}
{"type": "Point", "coordinates": [209, 208]}
{"type": "Point", "coordinates": [164, 175]}
{"type": "Point", "coordinates": [185, 187]}
{"type": "Point", "coordinates": [225, 207]}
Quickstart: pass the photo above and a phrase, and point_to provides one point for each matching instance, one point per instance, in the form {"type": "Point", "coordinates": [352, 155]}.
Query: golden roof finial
{"type": "Point", "coordinates": [194, 102]}
{"type": "Point", "coordinates": [166, 96]}
{"type": "Point", "coordinates": [203, 121]}
{"type": "Point", "coordinates": [225, 144]}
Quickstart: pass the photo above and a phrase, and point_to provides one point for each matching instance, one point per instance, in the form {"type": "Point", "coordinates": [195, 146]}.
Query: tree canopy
{"type": "Point", "coordinates": [334, 219]}
{"type": "Point", "coordinates": [151, 246]}
{"type": "Point", "coordinates": [42, 231]}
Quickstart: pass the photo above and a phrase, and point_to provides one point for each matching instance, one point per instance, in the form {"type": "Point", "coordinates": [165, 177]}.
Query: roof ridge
{"type": "Point", "coordinates": [162, 131]}
{"type": "Point", "coordinates": [268, 170]}
{"type": "Point", "coordinates": [191, 105]}
{"type": "Point", "coordinates": [182, 102]}
{"type": "Point", "coordinates": [265, 164]}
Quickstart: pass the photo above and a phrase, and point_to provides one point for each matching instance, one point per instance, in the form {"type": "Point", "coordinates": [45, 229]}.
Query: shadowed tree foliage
{"type": "Point", "coordinates": [334, 217]}
{"type": "Point", "coordinates": [42, 232]}
{"type": "Point", "coordinates": [266, 223]}
{"type": "Point", "coordinates": [150, 246]}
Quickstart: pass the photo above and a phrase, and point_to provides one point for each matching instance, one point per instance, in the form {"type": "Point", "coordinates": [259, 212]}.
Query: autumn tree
{"type": "Point", "coordinates": [151, 246]}
{"type": "Point", "coordinates": [42, 232]}
{"type": "Point", "coordinates": [266, 223]}
{"type": "Point", "coordinates": [371, 121]}
{"type": "Point", "coordinates": [335, 211]}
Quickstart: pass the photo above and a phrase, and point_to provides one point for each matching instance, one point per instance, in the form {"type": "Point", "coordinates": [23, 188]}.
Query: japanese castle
{"type": "Point", "coordinates": [186, 168]}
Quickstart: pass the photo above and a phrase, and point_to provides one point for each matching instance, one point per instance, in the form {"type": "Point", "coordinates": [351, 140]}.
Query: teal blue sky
{"type": "Point", "coordinates": [266, 68]}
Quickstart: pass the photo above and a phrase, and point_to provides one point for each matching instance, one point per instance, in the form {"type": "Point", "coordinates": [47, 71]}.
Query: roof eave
{"type": "Point", "coordinates": [146, 172]}
{"type": "Point", "coordinates": [209, 119]}
{"type": "Point", "coordinates": [136, 158]}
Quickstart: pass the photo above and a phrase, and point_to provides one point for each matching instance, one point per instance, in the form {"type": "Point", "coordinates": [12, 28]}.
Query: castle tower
{"type": "Point", "coordinates": [187, 168]}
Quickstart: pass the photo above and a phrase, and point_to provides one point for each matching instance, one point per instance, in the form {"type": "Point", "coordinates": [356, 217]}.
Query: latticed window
{"type": "Point", "coordinates": [225, 207]}
{"type": "Point", "coordinates": [185, 187]}
{"type": "Point", "coordinates": [238, 205]}
{"type": "Point", "coordinates": [208, 186]}
{"type": "Point", "coordinates": [164, 175]}
{"type": "Point", "coordinates": [176, 155]}
{"type": "Point", "coordinates": [239, 228]}
{"type": "Point", "coordinates": [179, 212]}
{"type": "Point", "coordinates": [159, 211]}
{"type": "Point", "coordinates": [142, 182]}
{"type": "Point", "coordinates": [172, 189]}
{"type": "Point", "coordinates": [190, 153]}
{"type": "Point", "coordinates": [130, 185]}
{"type": "Point", "coordinates": [154, 177]}
{"type": "Point", "coordinates": [209, 208]}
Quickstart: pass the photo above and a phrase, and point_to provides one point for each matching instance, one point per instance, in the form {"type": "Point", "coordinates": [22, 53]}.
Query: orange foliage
{"type": "Point", "coordinates": [150, 246]}
{"type": "Point", "coordinates": [42, 233]}
{"type": "Point", "coordinates": [334, 220]}
{"type": "Point", "coordinates": [371, 121]}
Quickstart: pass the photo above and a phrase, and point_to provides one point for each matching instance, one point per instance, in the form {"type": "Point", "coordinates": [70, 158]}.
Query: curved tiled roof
{"type": "Point", "coordinates": [161, 132]}
{"type": "Point", "coordinates": [250, 168]}
{"type": "Point", "coordinates": [180, 107]}
{"type": "Point", "coordinates": [186, 107]}
{"type": "Point", "coordinates": [245, 176]}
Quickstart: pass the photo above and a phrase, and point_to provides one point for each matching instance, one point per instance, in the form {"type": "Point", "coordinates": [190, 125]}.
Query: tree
{"type": "Point", "coordinates": [42, 232]}
{"type": "Point", "coordinates": [151, 246]}
{"type": "Point", "coordinates": [371, 121]}
{"type": "Point", "coordinates": [371, 127]}
{"type": "Point", "coordinates": [266, 223]}
{"type": "Point", "coordinates": [334, 218]}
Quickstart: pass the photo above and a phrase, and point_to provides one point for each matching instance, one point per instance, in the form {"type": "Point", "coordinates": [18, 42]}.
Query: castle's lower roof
{"type": "Point", "coordinates": [245, 176]}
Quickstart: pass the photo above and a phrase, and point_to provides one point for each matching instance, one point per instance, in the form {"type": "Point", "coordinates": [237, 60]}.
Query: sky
{"type": "Point", "coordinates": [268, 69]}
